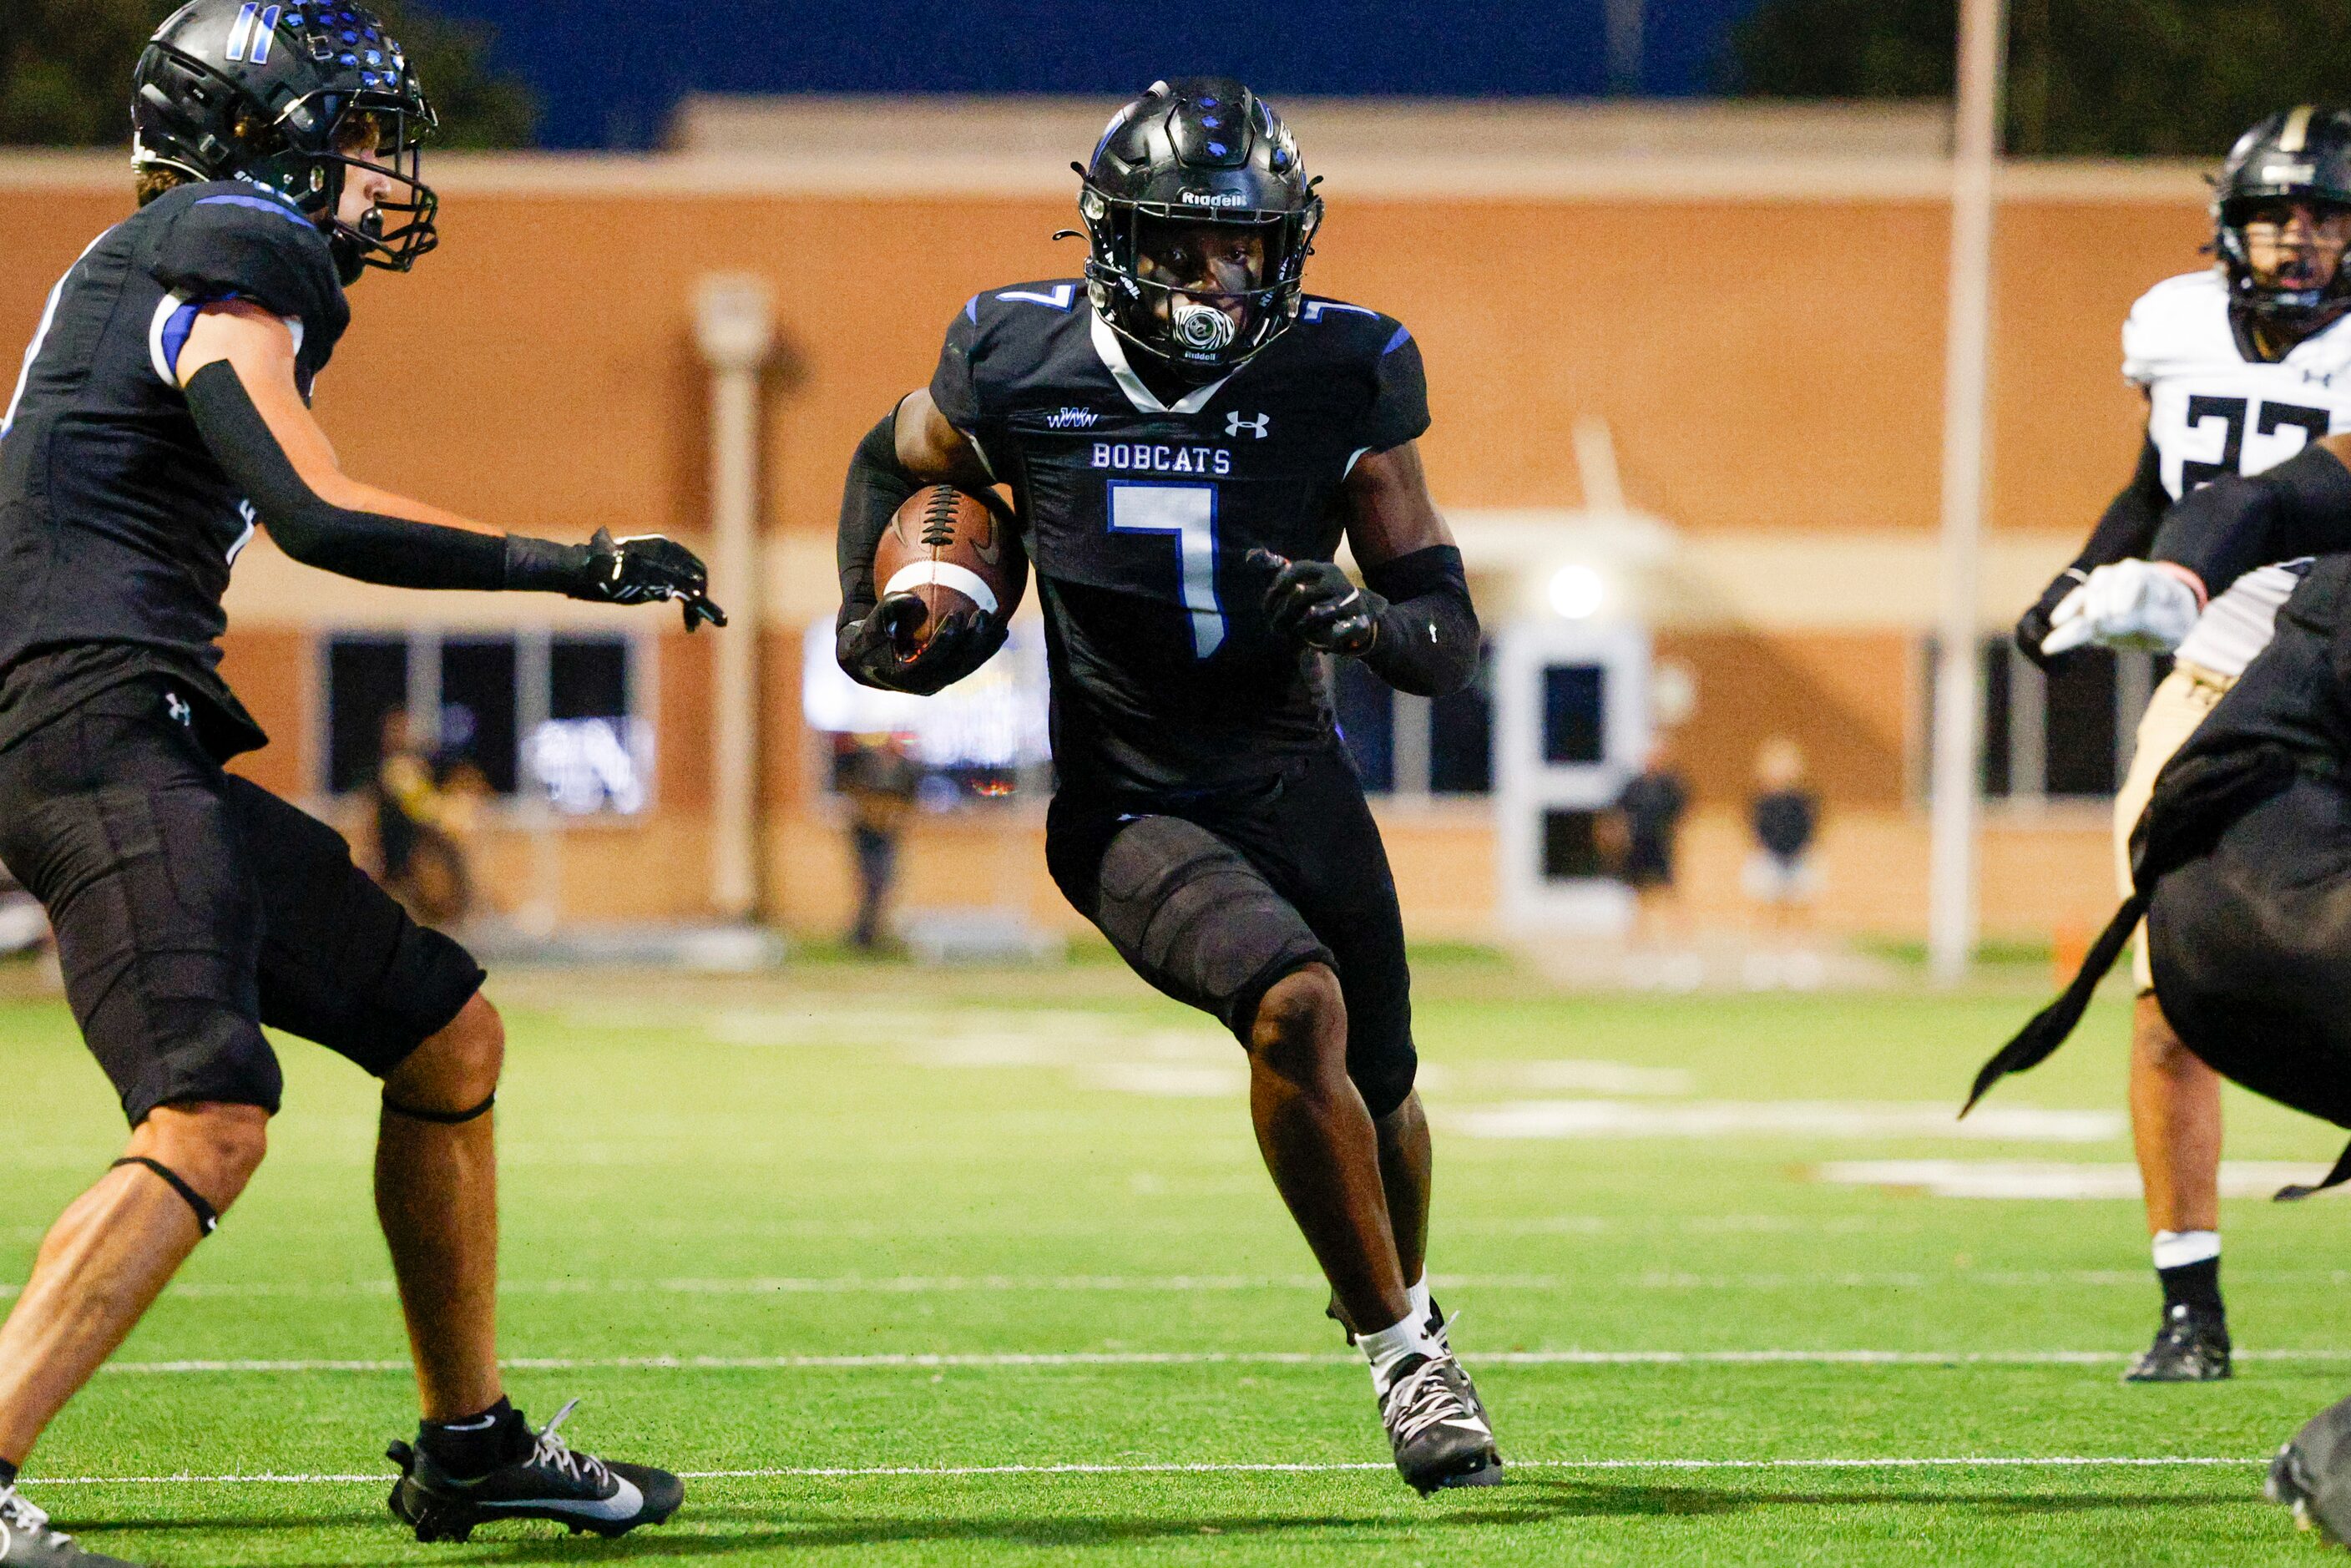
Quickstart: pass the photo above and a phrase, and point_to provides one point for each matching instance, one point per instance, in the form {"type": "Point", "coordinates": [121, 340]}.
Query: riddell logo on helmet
{"type": "Point", "coordinates": [1214, 199]}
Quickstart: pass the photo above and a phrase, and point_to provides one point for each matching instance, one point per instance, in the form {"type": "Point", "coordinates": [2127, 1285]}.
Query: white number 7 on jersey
{"type": "Point", "coordinates": [1189, 512]}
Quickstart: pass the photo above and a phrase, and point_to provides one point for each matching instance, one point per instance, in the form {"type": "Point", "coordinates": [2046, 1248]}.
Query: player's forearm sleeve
{"type": "Point", "coordinates": [2302, 507]}
{"type": "Point", "coordinates": [372, 548]}
{"type": "Point", "coordinates": [1427, 643]}
{"type": "Point", "coordinates": [2126, 531]}
{"type": "Point", "coordinates": [878, 485]}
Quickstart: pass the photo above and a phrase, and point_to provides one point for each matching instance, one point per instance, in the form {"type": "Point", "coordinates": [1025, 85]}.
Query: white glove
{"type": "Point", "coordinates": [2130, 604]}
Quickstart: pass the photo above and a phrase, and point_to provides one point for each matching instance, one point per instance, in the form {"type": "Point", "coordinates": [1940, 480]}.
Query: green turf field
{"type": "Point", "coordinates": [962, 1270]}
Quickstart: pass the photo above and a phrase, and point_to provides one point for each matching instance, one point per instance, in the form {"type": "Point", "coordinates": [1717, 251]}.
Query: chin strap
{"type": "Point", "coordinates": [439, 1118]}
{"type": "Point", "coordinates": [207, 1216]}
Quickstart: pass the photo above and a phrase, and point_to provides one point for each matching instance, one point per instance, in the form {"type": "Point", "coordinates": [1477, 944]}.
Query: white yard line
{"type": "Point", "coordinates": [826, 1472]}
{"type": "Point", "coordinates": [1050, 1360]}
{"type": "Point", "coordinates": [2046, 1179]}
{"type": "Point", "coordinates": [861, 1285]}
{"type": "Point", "coordinates": [1717, 1119]}
{"type": "Point", "coordinates": [1219, 1284]}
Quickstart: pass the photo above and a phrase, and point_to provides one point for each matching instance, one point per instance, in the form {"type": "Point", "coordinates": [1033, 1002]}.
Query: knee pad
{"type": "Point", "coordinates": [1196, 919]}
{"type": "Point", "coordinates": [1382, 1076]}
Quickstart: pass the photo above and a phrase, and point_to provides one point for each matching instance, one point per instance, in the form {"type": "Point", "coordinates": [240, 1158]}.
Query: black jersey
{"type": "Point", "coordinates": [1141, 513]}
{"type": "Point", "coordinates": [118, 529]}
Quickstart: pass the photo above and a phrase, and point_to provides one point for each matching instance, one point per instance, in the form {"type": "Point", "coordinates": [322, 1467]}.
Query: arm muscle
{"type": "Point", "coordinates": [1389, 512]}
{"type": "Point", "coordinates": [934, 451]}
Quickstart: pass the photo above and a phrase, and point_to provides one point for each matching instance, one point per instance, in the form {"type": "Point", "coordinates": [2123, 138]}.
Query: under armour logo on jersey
{"type": "Point", "coordinates": [177, 707]}
{"type": "Point", "coordinates": [1261, 427]}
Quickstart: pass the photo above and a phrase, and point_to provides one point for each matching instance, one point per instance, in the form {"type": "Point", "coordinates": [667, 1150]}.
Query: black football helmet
{"type": "Point", "coordinates": [2301, 155]}
{"type": "Point", "coordinates": [1199, 150]}
{"type": "Point", "coordinates": [230, 90]}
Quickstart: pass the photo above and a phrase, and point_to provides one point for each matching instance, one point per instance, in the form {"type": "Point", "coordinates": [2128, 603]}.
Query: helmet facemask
{"type": "Point", "coordinates": [1200, 288]}
{"type": "Point", "coordinates": [2285, 258]}
{"type": "Point", "coordinates": [1201, 218]}
{"type": "Point", "coordinates": [381, 137]}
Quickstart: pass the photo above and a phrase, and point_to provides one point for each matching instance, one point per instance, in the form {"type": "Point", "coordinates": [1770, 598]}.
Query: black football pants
{"type": "Point", "coordinates": [1214, 899]}
{"type": "Point", "coordinates": [193, 906]}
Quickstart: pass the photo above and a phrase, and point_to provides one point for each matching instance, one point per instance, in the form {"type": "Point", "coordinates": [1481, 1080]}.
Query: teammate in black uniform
{"type": "Point", "coordinates": [162, 414]}
{"type": "Point", "coordinates": [1187, 437]}
{"type": "Point", "coordinates": [2241, 867]}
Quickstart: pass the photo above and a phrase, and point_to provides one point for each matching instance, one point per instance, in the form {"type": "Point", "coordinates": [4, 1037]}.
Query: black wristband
{"type": "Point", "coordinates": [1427, 643]}
{"type": "Point", "coordinates": [542, 566]}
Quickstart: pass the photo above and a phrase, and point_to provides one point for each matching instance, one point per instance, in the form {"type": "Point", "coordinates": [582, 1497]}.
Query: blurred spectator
{"type": "Point", "coordinates": [879, 781]}
{"type": "Point", "coordinates": [1780, 875]}
{"type": "Point", "coordinates": [420, 859]}
{"type": "Point", "coordinates": [1644, 828]}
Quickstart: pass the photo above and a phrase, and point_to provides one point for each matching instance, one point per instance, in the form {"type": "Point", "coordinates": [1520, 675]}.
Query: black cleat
{"type": "Point", "coordinates": [2190, 1346]}
{"type": "Point", "coordinates": [2312, 1474]}
{"type": "Point", "coordinates": [1436, 1428]}
{"type": "Point", "coordinates": [552, 1481]}
{"type": "Point", "coordinates": [27, 1541]}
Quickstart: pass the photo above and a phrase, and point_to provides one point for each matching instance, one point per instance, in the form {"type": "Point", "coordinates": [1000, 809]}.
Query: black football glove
{"type": "Point", "coordinates": [1312, 604]}
{"type": "Point", "coordinates": [871, 650]}
{"type": "Point", "coordinates": [2033, 628]}
{"type": "Point", "coordinates": [645, 568]}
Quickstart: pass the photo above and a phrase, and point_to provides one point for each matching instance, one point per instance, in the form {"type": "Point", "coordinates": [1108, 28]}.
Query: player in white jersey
{"type": "Point", "coordinates": [2245, 365]}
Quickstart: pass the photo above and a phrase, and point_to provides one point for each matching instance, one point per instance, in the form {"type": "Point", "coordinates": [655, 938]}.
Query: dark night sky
{"type": "Point", "coordinates": [609, 71]}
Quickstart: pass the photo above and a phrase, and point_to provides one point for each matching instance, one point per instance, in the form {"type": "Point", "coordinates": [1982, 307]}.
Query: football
{"type": "Point", "coordinates": [953, 552]}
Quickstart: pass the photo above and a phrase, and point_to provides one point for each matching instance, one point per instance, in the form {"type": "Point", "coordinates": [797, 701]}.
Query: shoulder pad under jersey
{"type": "Point", "coordinates": [2179, 322]}
{"type": "Point", "coordinates": [229, 239]}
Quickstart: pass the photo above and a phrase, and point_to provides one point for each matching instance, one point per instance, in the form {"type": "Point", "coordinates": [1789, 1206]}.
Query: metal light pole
{"type": "Point", "coordinates": [1624, 20]}
{"type": "Point", "coordinates": [1956, 786]}
{"type": "Point", "coordinates": [733, 323]}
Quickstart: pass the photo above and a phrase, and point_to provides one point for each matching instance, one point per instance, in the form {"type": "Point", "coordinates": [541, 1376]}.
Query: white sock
{"type": "Point", "coordinates": [1416, 1298]}
{"type": "Point", "coordinates": [1393, 1343]}
{"type": "Point", "coordinates": [2175, 1248]}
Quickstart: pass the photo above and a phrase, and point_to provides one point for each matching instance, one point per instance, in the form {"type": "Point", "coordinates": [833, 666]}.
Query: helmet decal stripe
{"type": "Point", "coordinates": [240, 32]}
{"type": "Point", "coordinates": [2297, 134]}
{"type": "Point", "coordinates": [265, 33]}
